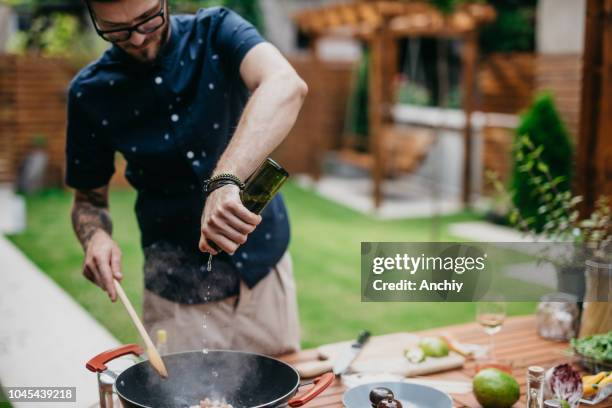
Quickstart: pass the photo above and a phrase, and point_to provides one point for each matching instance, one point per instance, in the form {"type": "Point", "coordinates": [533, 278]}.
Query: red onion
{"type": "Point", "coordinates": [565, 384]}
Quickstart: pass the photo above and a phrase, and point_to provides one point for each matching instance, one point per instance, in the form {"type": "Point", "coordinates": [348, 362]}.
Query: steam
{"type": "Point", "coordinates": [175, 273]}
{"type": "Point", "coordinates": [193, 376]}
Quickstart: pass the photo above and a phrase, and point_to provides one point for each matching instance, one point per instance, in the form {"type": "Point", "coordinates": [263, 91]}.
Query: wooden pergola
{"type": "Point", "coordinates": [594, 150]}
{"type": "Point", "coordinates": [381, 24]}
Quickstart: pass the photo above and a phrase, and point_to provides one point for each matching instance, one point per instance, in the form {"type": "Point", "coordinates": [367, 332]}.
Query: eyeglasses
{"type": "Point", "coordinates": [147, 26]}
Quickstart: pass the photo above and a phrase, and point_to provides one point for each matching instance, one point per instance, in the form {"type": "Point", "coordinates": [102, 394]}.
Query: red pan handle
{"type": "Point", "coordinates": [98, 363]}
{"type": "Point", "coordinates": [320, 384]}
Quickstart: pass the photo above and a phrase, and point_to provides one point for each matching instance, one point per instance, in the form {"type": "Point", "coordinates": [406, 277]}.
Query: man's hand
{"type": "Point", "coordinates": [277, 96]}
{"type": "Point", "coordinates": [225, 221]}
{"type": "Point", "coordinates": [93, 227]}
{"type": "Point", "coordinates": [103, 262]}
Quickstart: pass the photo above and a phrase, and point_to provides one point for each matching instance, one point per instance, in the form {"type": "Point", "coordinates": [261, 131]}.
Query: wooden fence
{"type": "Point", "coordinates": [506, 82]}
{"type": "Point", "coordinates": [321, 121]}
{"type": "Point", "coordinates": [33, 106]}
{"type": "Point", "coordinates": [8, 125]}
{"type": "Point", "coordinates": [561, 74]}
{"type": "Point", "coordinates": [33, 92]}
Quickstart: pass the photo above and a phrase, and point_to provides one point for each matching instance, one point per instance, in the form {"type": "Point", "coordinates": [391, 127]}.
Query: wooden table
{"type": "Point", "coordinates": [517, 342]}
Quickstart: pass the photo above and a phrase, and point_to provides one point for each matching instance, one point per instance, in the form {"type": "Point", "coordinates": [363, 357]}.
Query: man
{"type": "Point", "coordinates": [169, 95]}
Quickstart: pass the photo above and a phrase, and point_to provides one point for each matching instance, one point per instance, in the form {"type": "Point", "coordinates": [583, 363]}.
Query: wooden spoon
{"type": "Point", "coordinates": [154, 357]}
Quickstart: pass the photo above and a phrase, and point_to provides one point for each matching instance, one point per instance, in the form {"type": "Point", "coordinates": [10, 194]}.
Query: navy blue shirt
{"type": "Point", "coordinates": [172, 120]}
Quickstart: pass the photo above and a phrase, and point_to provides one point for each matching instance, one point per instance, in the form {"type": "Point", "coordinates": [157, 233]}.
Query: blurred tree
{"type": "Point", "coordinates": [447, 6]}
{"type": "Point", "coordinates": [249, 9]}
{"type": "Point", "coordinates": [542, 124]}
{"type": "Point", "coordinates": [65, 36]}
{"type": "Point", "coordinates": [62, 28]}
{"type": "Point", "coordinates": [514, 28]}
{"type": "Point", "coordinates": [35, 16]}
{"type": "Point", "coordinates": [40, 7]}
{"type": "Point", "coordinates": [357, 123]}
{"type": "Point", "coordinates": [60, 34]}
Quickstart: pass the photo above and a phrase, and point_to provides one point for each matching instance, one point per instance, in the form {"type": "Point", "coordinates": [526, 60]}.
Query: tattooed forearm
{"type": "Point", "coordinates": [90, 213]}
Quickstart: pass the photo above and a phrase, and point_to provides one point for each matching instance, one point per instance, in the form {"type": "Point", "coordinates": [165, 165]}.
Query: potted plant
{"type": "Point", "coordinates": [33, 169]}
{"type": "Point", "coordinates": [557, 219]}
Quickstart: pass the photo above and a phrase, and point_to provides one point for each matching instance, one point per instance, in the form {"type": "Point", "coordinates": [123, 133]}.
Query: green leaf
{"type": "Point", "coordinates": [529, 220]}
{"type": "Point", "coordinates": [513, 218]}
{"type": "Point", "coordinates": [575, 200]}
{"type": "Point", "coordinates": [543, 167]}
{"type": "Point", "coordinates": [557, 180]}
{"type": "Point", "coordinates": [557, 213]}
{"type": "Point", "coordinates": [538, 152]}
{"type": "Point", "coordinates": [548, 154]}
{"type": "Point", "coordinates": [587, 224]}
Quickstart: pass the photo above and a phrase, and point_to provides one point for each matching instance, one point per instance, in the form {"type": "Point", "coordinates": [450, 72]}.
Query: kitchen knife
{"type": "Point", "coordinates": [343, 362]}
{"type": "Point", "coordinates": [311, 369]}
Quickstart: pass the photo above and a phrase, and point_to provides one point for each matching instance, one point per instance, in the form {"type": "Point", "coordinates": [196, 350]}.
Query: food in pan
{"type": "Point", "coordinates": [378, 394]}
{"type": "Point", "coordinates": [210, 403]}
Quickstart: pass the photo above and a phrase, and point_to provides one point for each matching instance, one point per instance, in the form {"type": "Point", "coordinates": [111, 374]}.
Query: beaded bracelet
{"type": "Point", "coordinates": [221, 180]}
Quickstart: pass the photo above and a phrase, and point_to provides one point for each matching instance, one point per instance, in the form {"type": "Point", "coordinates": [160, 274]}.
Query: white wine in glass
{"type": "Point", "coordinates": [492, 322]}
{"type": "Point", "coordinates": [491, 316]}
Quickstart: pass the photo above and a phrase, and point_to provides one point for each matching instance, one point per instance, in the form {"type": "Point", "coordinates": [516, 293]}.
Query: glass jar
{"type": "Point", "coordinates": [535, 387]}
{"type": "Point", "coordinates": [597, 307]}
{"type": "Point", "coordinates": [557, 317]}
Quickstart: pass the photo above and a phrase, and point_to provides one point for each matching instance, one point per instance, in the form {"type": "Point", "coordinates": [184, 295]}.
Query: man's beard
{"type": "Point", "coordinates": [155, 43]}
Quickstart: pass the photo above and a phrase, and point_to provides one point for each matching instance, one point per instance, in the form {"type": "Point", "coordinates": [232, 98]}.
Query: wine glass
{"type": "Point", "coordinates": [491, 315]}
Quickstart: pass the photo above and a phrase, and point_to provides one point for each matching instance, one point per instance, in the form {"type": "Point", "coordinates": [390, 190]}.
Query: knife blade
{"type": "Point", "coordinates": [345, 359]}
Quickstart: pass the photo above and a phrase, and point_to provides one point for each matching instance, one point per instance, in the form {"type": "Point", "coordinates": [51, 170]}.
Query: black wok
{"type": "Point", "coordinates": [240, 378]}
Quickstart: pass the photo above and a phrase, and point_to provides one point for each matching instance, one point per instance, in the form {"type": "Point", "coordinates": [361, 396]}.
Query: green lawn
{"type": "Point", "coordinates": [4, 400]}
{"type": "Point", "coordinates": [326, 253]}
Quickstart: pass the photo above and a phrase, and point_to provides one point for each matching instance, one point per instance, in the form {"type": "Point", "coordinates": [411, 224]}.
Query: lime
{"type": "Point", "coordinates": [495, 389]}
{"type": "Point", "coordinates": [415, 355]}
{"type": "Point", "coordinates": [565, 404]}
{"type": "Point", "coordinates": [434, 347]}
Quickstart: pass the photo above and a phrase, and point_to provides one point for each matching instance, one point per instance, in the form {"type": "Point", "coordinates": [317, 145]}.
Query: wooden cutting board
{"type": "Point", "coordinates": [385, 354]}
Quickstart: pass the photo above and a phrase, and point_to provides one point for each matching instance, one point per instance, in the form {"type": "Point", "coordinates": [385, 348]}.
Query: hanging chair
{"type": "Point", "coordinates": [404, 147]}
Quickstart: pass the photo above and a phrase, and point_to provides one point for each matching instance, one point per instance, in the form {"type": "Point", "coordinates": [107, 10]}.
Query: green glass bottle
{"type": "Point", "coordinates": [260, 189]}
{"type": "Point", "coordinates": [263, 185]}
